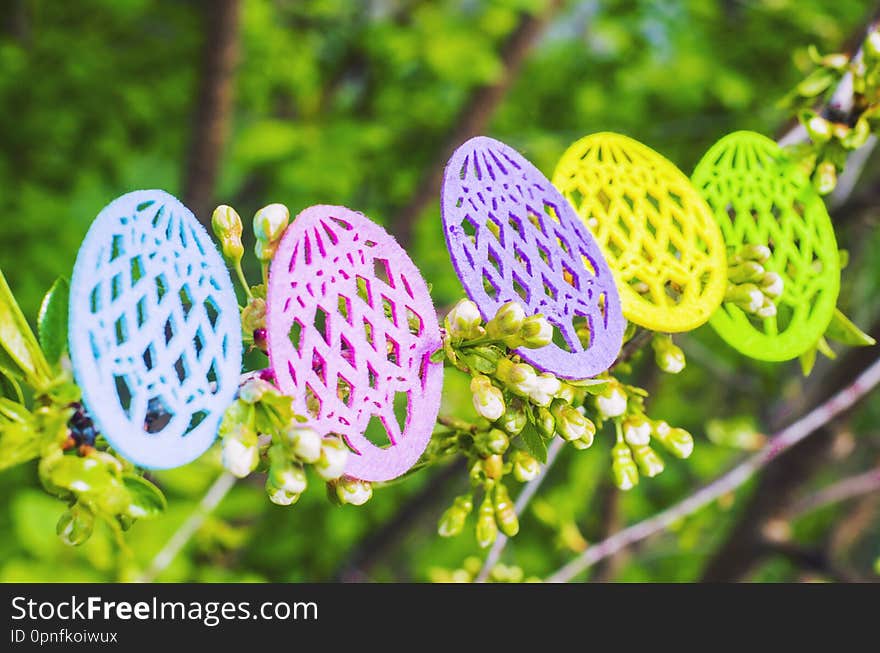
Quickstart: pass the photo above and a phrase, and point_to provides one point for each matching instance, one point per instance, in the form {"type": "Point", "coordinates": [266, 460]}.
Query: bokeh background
{"type": "Point", "coordinates": [356, 102]}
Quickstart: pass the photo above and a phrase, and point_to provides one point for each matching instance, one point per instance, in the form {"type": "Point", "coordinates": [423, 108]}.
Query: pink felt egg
{"type": "Point", "coordinates": [351, 329]}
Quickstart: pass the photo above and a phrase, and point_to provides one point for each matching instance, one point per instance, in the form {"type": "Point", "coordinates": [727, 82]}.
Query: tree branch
{"type": "Point", "coordinates": [473, 118]}
{"type": "Point", "coordinates": [843, 490]}
{"type": "Point", "coordinates": [519, 507]}
{"type": "Point", "coordinates": [193, 523]}
{"type": "Point", "coordinates": [213, 108]}
{"type": "Point", "coordinates": [732, 480]}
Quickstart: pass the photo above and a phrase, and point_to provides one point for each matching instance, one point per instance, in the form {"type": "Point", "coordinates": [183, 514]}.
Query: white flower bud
{"type": "Point", "coordinates": [637, 430]}
{"type": "Point", "coordinates": [759, 253]}
{"type": "Point", "coordinates": [572, 425]}
{"type": "Point", "coordinates": [291, 478]}
{"type": "Point", "coordinates": [747, 296]}
{"type": "Point", "coordinates": [488, 400]}
{"type": "Point", "coordinates": [519, 377]}
{"type": "Point", "coordinates": [772, 285]}
{"type": "Point", "coordinates": [768, 309]}
{"type": "Point", "coordinates": [611, 402]}
{"type": "Point", "coordinates": [270, 222]}
{"type": "Point", "coordinates": [507, 321]}
{"type": "Point", "coordinates": [464, 321]}
{"type": "Point", "coordinates": [671, 361]}
{"type": "Point", "coordinates": [254, 389]}
{"type": "Point", "coordinates": [226, 224]}
{"type": "Point", "coordinates": [305, 443]}
{"type": "Point", "coordinates": [281, 497]}
{"type": "Point", "coordinates": [545, 388]}
{"type": "Point", "coordinates": [536, 332]}
{"type": "Point", "coordinates": [872, 45]}
{"type": "Point", "coordinates": [334, 455]}
{"type": "Point", "coordinates": [525, 467]}
{"type": "Point", "coordinates": [353, 491]}
{"type": "Point", "coordinates": [238, 458]}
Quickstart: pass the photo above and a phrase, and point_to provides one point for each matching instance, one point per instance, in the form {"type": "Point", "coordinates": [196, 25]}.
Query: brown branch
{"type": "Point", "coordinates": [213, 106]}
{"type": "Point", "coordinates": [17, 22]}
{"type": "Point", "coordinates": [854, 526]}
{"type": "Point", "coordinates": [641, 338]}
{"type": "Point", "coordinates": [611, 521]}
{"type": "Point", "coordinates": [837, 405]}
{"type": "Point", "coordinates": [843, 490]}
{"type": "Point", "coordinates": [474, 117]}
{"type": "Point", "coordinates": [816, 560]}
{"type": "Point", "coordinates": [778, 485]}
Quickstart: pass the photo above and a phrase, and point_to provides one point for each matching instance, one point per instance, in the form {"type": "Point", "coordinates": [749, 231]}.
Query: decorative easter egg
{"type": "Point", "coordinates": [513, 237]}
{"type": "Point", "coordinates": [155, 335]}
{"type": "Point", "coordinates": [351, 329]}
{"type": "Point", "coordinates": [761, 198]}
{"type": "Point", "coordinates": [655, 230]}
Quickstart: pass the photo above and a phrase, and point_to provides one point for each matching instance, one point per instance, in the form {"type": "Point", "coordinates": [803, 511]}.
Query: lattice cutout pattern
{"type": "Point", "coordinates": [351, 329]}
{"type": "Point", "coordinates": [760, 198]}
{"type": "Point", "coordinates": [155, 336]}
{"type": "Point", "coordinates": [512, 236]}
{"type": "Point", "coordinates": [655, 230]}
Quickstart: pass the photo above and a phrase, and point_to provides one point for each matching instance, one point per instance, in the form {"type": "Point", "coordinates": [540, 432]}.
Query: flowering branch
{"type": "Point", "coordinates": [219, 489]}
{"type": "Point", "coordinates": [522, 501]}
{"type": "Point", "coordinates": [735, 478]}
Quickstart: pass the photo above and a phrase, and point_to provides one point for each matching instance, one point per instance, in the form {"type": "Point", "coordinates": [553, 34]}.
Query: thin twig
{"type": "Point", "coordinates": [639, 340]}
{"type": "Point", "coordinates": [735, 478]}
{"type": "Point", "coordinates": [848, 488]}
{"type": "Point", "coordinates": [855, 164]}
{"type": "Point", "coordinates": [519, 506]}
{"type": "Point", "coordinates": [206, 506]}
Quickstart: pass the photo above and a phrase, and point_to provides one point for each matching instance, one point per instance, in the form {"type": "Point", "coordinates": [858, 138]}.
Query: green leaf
{"type": "Point", "coordinates": [592, 388]}
{"type": "Point", "coordinates": [825, 349]}
{"type": "Point", "coordinates": [14, 411]}
{"type": "Point", "coordinates": [479, 363]}
{"type": "Point", "coordinates": [146, 499]}
{"type": "Point", "coordinates": [9, 386]}
{"type": "Point", "coordinates": [19, 442]}
{"type": "Point", "coordinates": [816, 82]}
{"type": "Point", "coordinates": [535, 443]}
{"type": "Point", "coordinates": [808, 359]}
{"type": "Point", "coordinates": [52, 320]}
{"type": "Point", "coordinates": [18, 341]}
{"type": "Point", "coordinates": [845, 332]}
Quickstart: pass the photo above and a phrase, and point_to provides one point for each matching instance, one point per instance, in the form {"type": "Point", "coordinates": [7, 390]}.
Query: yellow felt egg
{"type": "Point", "coordinates": [657, 233]}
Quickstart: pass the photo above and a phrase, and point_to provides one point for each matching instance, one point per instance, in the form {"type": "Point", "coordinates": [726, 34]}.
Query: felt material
{"type": "Point", "coordinates": [155, 335]}
{"type": "Point", "coordinates": [760, 198]}
{"type": "Point", "coordinates": [656, 231]}
{"type": "Point", "coordinates": [351, 329]}
{"type": "Point", "coordinates": [513, 237]}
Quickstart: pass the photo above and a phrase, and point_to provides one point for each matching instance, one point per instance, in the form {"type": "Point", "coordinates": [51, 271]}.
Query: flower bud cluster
{"type": "Point", "coordinates": [291, 446]}
{"type": "Point", "coordinates": [632, 454]}
{"type": "Point", "coordinates": [750, 286]}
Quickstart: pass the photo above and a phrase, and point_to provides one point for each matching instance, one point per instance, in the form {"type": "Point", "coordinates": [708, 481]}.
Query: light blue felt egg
{"type": "Point", "coordinates": [155, 333]}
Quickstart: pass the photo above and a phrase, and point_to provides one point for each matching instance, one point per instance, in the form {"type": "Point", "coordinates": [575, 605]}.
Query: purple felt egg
{"type": "Point", "coordinates": [351, 329]}
{"type": "Point", "coordinates": [513, 237]}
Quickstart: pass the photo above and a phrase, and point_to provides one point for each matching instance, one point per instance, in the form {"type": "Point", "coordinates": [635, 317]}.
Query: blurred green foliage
{"type": "Point", "coordinates": [348, 103]}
